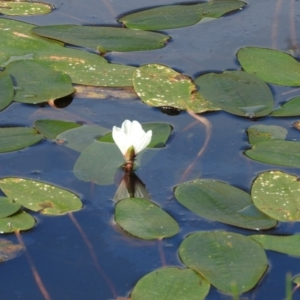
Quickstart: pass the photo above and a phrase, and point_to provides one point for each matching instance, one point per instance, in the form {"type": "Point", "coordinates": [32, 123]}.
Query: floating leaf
{"type": "Point", "coordinates": [37, 82]}
{"type": "Point", "coordinates": [276, 152]}
{"type": "Point", "coordinates": [158, 85]}
{"type": "Point", "coordinates": [160, 134]}
{"type": "Point", "coordinates": [169, 284]}
{"type": "Point", "coordinates": [237, 92]}
{"type": "Point", "coordinates": [17, 43]}
{"type": "Point", "coordinates": [51, 128]}
{"type": "Point", "coordinates": [261, 133]}
{"type": "Point", "coordinates": [285, 244]}
{"type": "Point", "coordinates": [98, 163]}
{"type": "Point", "coordinates": [9, 250]}
{"type": "Point", "coordinates": [7, 91]}
{"type": "Point", "coordinates": [19, 221]}
{"type": "Point", "coordinates": [104, 39]}
{"type": "Point", "coordinates": [277, 194]}
{"type": "Point", "coordinates": [289, 109]}
{"type": "Point", "coordinates": [176, 16]}
{"type": "Point", "coordinates": [231, 262]}
{"type": "Point", "coordinates": [144, 219]}
{"type": "Point", "coordinates": [7, 207]}
{"type": "Point", "coordinates": [40, 196]}
{"type": "Point", "coordinates": [23, 8]}
{"type": "Point", "coordinates": [16, 138]}
{"type": "Point", "coordinates": [79, 138]}
{"type": "Point", "coordinates": [221, 202]}
{"type": "Point", "coordinates": [270, 65]}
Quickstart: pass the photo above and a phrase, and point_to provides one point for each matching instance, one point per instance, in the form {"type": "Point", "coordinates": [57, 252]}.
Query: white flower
{"type": "Point", "coordinates": [131, 138]}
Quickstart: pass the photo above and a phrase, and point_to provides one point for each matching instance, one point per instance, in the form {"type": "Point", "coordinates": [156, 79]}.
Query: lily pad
{"type": "Point", "coordinates": [51, 128]}
{"type": "Point", "coordinates": [40, 196]}
{"type": "Point", "coordinates": [23, 8]}
{"type": "Point", "coordinates": [169, 284]}
{"type": "Point", "coordinates": [231, 262]}
{"type": "Point", "coordinates": [16, 138]}
{"type": "Point", "coordinates": [261, 133]}
{"type": "Point", "coordinates": [104, 39]}
{"type": "Point", "coordinates": [81, 137]}
{"type": "Point", "coordinates": [18, 43]}
{"type": "Point", "coordinates": [144, 219]}
{"type": "Point", "coordinates": [176, 16]}
{"type": "Point", "coordinates": [276, 152]}
{"type": "Point", "coordinates": [20, 221]}
{"type": "Point", "coordinates": [237, 92]}
{"type": "Point", "coordinates": [221, 202]}
{"type": "Point", "coordinates": [270, 65]}
{"type": "Point", "coordinates": [160, 134]}
{"type": "Point", "coordinates": [159, 86]}
{"type": "Point", "coordinates": [7, 207]}
{"type": "Point", "coordinates": [9, 250]}
{"type": "Point", "coordinates": [285, 244]}
{"type": "Point", "coordinates": [7, 91]}
{"type": "Point", "coordinates": [36, 82]}
{"type": "Point", "coordinates": [98, 163]}
{"type": "Point", "coordinates": [289, 109]}
{"type": "Point", "coordinates": [277, 194]}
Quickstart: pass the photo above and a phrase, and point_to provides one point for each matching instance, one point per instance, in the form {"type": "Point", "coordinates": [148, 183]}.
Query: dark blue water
{"type": "Point", "coordinates": [85, 256]}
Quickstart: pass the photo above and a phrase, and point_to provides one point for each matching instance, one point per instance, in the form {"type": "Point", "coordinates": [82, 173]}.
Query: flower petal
{"type": "Point", "coordinates": [142, 142]}
{"type": "Point", "coordinates": [120, 139]}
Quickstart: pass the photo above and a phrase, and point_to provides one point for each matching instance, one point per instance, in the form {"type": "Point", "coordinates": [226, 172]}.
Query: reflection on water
{"type": "Point", "coordinates": [86, 256]}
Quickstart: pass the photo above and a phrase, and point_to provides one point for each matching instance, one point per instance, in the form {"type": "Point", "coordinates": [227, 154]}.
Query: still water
{"type": "Point", "coordinates": [84, 255]}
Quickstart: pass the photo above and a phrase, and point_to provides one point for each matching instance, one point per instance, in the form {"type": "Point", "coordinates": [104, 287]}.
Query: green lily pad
{"type": "Point", "coordinates": [36, 82]}
{"type": "Point", "coordinates": [51, 128]}
{"type": "Point", "coordinates": [81, 137]}
{"type": "Point", "coordinates": [221, 202]}
{"type": "Point", "coordinates": [144, 219]}
{"type": "Point", "coordinates": [169, 284]}
{"type": "Point", "coordinates": [289, 109]}
{"type": "Point", "coordinates": [270, 65]}
{"type": "Point", "coordinates": [277, 194]}
{"type": "Point", "coordinates": [237, 92]}
{"type": "Point", "coordinates": [23, 8]}
{"type": "Point", "coordinates": [261, 133]}
{"type": "Point", "coordinates": [231, 262]}
{"type": "Point", "coordinates": [7, 207]}
{"type": "Point", "coordinates": [160, 134]}
{"type": "Point", "coordinates": [276, 152]}
{"type": "Point", "coordinates": [104, 39]}
{"type": "Point", "coordinates": [7, 91]}
{"type": "Point", "coordinates": [158, 85]}
{"type": "Point", "coordinates": [98, 163]}
{"type": "Point", "coordinates": [285, 244]}
{"type": "Point", "coordinates": [9, 250]}
{"type": "Point", "coordinates": [176, 16]}
{"type": "Point", "coordinates": [40, 196]}
{"type": "Point", "coordinates": [17, 43]}
{"type": "Point", "coordinates": [20, 221]}
{"type": "Point", "coordinates": [16, 138]}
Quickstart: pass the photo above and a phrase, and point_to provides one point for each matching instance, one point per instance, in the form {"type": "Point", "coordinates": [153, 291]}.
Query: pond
{"type": "Point", "coordinates": [86, 253]}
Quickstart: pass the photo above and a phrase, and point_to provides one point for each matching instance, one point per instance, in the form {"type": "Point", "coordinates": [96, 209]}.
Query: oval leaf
{"type": "Point", "coordinates": [289, 109]}
{"type": "Point", "coordinates": [7, 91]}
{"type": "Point", "coordinates": [40, 196]}
{"type": "Point", "coordinates": [160, 86]}
{"type": "Point", "coordinates": [261, 133]}
{"type": "Point", "coordinates": [170, 284]}
{"type": "Point", "coordinates": [19, 221]}
{"type": "Point", "coordinates": [104, 39]}
{"type": "Point", "coordinates": [16, 138]}
{"type": "Point", "coordinates": [231, 262]}
{"type": "Point", "coordinates": [221, 202]}
{"type": "Point", "coordinates": [144, 219]}
{"type": "Point", "coordinates": [237, 92]}
{"type": "Point", "coordinates": [23, 8]}
{"type": "Point", "coordinates": [277, 194]}
{"type": "Point", "coordinates": [7, 207]}
{"type": "Point", "coordinates": [270, 65]}
{"type": "Point", "coordinates": [276, 152]}
{"type": "Point", "coordinates": [175, 16]}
